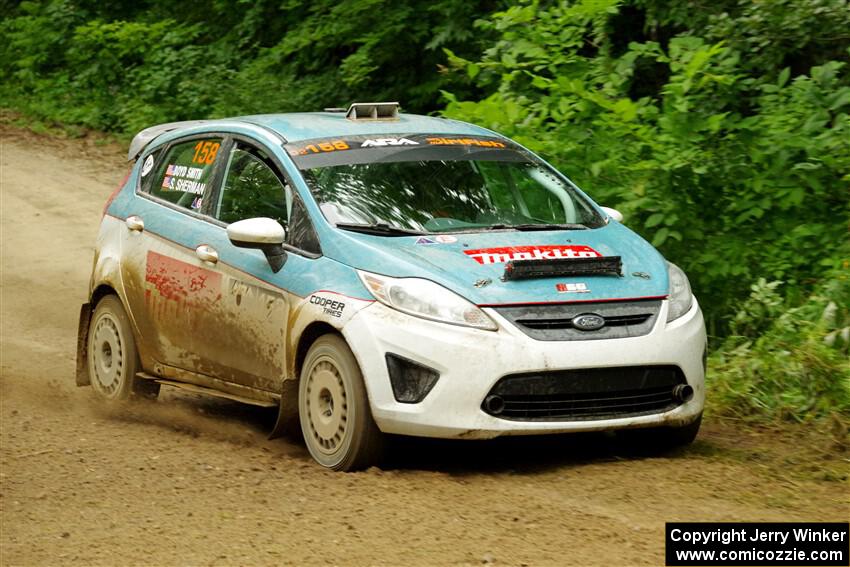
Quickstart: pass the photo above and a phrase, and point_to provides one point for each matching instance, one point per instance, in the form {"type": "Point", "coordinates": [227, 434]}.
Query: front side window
{"type": "Point", "coordinates": [252, 188]}
{"type": "Point", "coordinates": [183, 176]}
{"type": "Point", "coordinates": [439, 184]}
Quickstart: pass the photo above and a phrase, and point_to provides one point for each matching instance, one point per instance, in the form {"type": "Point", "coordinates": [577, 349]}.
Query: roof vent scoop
{"type": "Point", "coordinates": [373, 111]}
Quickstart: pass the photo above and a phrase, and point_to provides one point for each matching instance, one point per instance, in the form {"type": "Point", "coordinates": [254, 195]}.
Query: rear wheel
{"type": "Point", "coordinates": [333, 408]}
{"type": "Point", "coordinates": [113, 360]}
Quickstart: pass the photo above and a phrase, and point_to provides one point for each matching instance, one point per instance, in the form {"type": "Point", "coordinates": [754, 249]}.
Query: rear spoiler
{"type": "Point", "coordinates": [148, 135]}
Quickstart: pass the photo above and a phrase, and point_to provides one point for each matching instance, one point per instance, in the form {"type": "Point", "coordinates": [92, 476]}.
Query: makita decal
{"type": "Point", "coordinates": [502, 255]}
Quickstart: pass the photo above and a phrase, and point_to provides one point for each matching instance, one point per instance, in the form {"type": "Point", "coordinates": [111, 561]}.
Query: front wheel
{"type": "Point", "coordinates": [333, 408]}
{"type": "Point", "coordinates": [113, 360]}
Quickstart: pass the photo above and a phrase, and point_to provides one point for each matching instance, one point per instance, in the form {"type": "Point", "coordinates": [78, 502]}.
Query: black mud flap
{"type": "Point", "coordinates": [82, 341]}
{"type": "Point", "coordinates": [287, 423]}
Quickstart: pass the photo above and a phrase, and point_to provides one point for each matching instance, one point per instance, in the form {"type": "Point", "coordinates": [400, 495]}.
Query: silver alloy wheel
{"type": "Point", "coordinates": [107, 355]}
{"type": "Point", "coordinates": [333, 408]}
{"type": "Point", "coordinates": [327, 405]}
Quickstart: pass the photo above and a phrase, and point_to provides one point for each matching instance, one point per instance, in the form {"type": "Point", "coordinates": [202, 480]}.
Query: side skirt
{"type": "Point", "coordinates": [209, 392]}
{"type": "Point", "coordinates": [213, 386]}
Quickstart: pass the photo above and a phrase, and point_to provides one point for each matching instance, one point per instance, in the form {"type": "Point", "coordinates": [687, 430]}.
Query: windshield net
{"type": "Point", "coordinates": [437, 184]}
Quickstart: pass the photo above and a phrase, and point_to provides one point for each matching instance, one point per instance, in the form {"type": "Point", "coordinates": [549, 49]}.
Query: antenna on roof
{"type": "Point", "coordinates": [334, 109]}
{"type": "Point", "coordinates": [373, 111]}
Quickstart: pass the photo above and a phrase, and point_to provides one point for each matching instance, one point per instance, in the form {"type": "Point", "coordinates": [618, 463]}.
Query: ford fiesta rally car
{"type": "Point", "coordinates": [371, 272]}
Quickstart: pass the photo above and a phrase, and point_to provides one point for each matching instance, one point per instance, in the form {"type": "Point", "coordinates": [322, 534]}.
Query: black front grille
{"type": "Point", "coordinates": [554, 322]}
{"type": "Point", "coordinates": [563, 323]}
{"type": "Point", "coordinates": [587, 394]}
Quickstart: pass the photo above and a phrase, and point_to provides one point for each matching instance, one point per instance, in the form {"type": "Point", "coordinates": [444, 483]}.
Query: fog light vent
{"type": "Point", "coordinates": [411, 381]}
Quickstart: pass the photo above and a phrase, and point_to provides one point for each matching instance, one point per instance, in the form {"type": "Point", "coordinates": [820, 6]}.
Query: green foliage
{"type": "Point", "coordinates": [120, 66]}
{"type": "Point", "coordinates": [774, 35]}
{"type": "Point", "coordinates": [798, 367]}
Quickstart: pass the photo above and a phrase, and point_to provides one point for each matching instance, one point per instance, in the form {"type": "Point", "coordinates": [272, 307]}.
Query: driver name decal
{"type": "Point", "coordinates": [486, 256]}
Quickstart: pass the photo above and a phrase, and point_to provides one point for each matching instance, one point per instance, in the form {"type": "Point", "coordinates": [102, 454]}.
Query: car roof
{"type": "Point", "coordinates": [298, 126]}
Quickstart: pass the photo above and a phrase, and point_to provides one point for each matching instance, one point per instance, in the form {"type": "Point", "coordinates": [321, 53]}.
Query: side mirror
{"type": "Point", "coordinates": [263, 234]}
{"type": "Point", "coordinates": [613, 213]}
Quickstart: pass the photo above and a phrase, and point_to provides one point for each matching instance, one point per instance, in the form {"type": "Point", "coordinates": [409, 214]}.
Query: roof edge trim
{"type": "Point", "coordinates": [148, 135]}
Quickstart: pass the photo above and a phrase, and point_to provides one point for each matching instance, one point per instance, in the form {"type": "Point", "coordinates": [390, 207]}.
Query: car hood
{"type": "Point", "coordinates": [472, 264]}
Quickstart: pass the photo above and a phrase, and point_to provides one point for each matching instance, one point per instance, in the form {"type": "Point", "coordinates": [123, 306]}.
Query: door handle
{"type": "Point", "coordinates": [135, 223]}
{"type": "Point", "coordinates": [207, 253]}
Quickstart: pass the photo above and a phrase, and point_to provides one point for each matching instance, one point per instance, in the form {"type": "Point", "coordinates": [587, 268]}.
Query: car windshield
{"type": "Point", "coordinates": [428, 188]}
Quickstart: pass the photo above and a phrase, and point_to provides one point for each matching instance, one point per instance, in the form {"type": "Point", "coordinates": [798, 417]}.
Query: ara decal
{"type": "Point", "coordinates": [382, 142]}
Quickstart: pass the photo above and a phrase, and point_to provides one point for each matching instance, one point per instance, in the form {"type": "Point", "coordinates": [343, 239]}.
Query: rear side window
{"type": "Point", "coordinates": [148, 172]}
{"type": "Point", "coordinates": [185, 173]}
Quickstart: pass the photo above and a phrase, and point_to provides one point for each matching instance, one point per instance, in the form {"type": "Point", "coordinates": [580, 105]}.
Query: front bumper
{"type": "Point", "coordinates": [471, 361]}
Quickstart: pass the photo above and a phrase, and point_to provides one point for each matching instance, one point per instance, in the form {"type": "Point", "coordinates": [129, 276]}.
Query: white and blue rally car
{"type": "Point", "coordinates": [371, 273]}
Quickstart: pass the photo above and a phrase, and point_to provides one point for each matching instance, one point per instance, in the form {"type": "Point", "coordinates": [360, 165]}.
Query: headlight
{"type": "Point", "coordinates": [426, 299]}
{"type": "Point", "coordinates": [680, 298]}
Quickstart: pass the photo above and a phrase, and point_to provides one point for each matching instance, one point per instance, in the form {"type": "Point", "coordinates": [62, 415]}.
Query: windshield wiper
{"type": "Point", "coordinates": [550, 226]}
{"type": "Point", "coordinates": [379, 228]}
{"type": "Point", "coordinates": [530, 227]}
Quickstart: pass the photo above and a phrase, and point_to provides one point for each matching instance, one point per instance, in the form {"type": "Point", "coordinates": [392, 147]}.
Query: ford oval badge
{"type": "Point", "coordinates": [588, 322]}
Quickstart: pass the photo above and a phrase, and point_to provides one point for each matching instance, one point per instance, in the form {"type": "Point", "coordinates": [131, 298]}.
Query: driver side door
{"type": "Point", "coordinates": [251, 341]}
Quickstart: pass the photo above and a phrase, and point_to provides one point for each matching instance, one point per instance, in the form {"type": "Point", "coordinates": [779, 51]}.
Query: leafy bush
{"type": "Point", "coordinates": [799, 367]}
{"type": "Point", "coordinates": [120, 66]}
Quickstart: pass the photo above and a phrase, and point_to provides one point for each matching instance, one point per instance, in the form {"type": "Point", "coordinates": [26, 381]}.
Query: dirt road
{"type": "Point", "coordinates": [190, 480]}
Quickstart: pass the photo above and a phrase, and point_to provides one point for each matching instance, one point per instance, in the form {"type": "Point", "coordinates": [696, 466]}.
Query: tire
{"type": "Point", "coordinates": [333, 408]}
{"type": "Point", "coordinates": [113, 360]}
{"type": "Point", "coordinates": [662, 439]}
